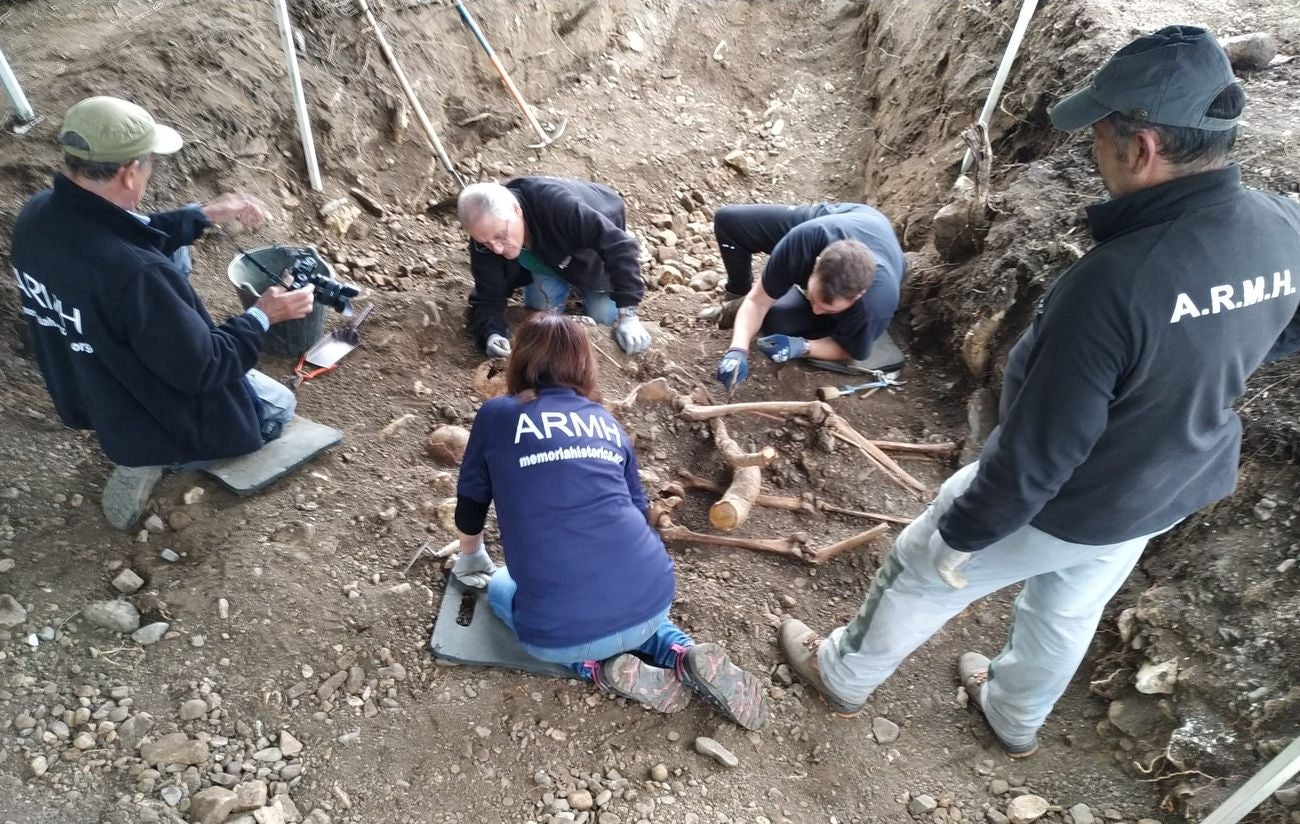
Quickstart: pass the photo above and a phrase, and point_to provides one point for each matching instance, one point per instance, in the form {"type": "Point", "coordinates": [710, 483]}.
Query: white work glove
{"type": "Point", "coordinates": [948, 561]}
{"type": "Point", "coordinates": [630, 334]}
{"type": "Point", "coordinates": [497, 346]}
{"type": "Point", "coordinates": [474, 570]}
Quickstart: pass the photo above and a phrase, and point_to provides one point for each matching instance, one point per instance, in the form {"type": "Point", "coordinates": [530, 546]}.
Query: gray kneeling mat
{"type": "Point", "coordinates": [885, 356]}
{"type": "Point", "coordinates": [300, 441]}
{"type": "Point", "coordinates": [466, 632]}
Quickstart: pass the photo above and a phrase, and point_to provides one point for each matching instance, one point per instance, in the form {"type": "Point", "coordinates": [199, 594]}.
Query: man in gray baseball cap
{"type": "Point", "coordinates": [1116, 418]}
{"type": "Point", "coordinates": [123, 341]}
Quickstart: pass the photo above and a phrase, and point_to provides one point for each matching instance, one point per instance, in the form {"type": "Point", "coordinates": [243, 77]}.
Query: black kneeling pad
{"type": "Point", "coordinates": [300, 441]}
{"type": "Point", "coordinates": [885, 357]}
{"type": "Point", "coordinates": [466, 632]}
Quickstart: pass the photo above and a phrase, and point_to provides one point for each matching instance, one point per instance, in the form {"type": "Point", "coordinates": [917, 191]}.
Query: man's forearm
{"type": "Point", "coordinates": [749, 319]}
{"type": "Point", "coordinates": [827, 349]}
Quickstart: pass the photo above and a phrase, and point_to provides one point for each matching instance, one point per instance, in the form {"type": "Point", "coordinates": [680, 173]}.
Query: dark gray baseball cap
{"type": "Point", "coordinates": [1167, 78]}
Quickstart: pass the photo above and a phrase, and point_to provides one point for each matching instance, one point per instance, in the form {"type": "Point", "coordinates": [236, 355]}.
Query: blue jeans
{"type": "Point", "coordinates": [548, 292]}
{"type": "Point", "coordinates": [658, 639]}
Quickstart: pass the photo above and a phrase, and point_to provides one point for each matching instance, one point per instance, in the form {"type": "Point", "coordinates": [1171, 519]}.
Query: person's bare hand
{"type": "Point", "coordinates": [236, 206]}
{"type": "Point", "coordinates": [281, 305]}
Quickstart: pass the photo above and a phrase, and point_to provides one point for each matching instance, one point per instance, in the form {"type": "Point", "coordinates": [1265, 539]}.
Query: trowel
{"type": "Point", "coordinates": [325, 354]}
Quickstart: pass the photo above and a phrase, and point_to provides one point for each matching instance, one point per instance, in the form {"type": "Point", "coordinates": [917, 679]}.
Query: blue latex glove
{"type": "Point", "coordinates": [733, 368]}
{"type": "Point", "coordinates": [782, 348]}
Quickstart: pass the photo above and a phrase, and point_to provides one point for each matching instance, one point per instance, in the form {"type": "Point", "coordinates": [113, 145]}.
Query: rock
{"type": "Point", "coordinates": [1026, 808]}
{"type": "Point", "coordinates": [1288, 797]}
{"type": "Point", "coordinates": [270, 815]}
{"type": "Point", "coordinates": [1134, 716]}
{"type": "Point", "coordinates": [922, 805]}
{"type": "Point", "coordinates": [150, 634]}
{"type": "Point", "coordinates": [169, 555]}
{"type": "Point", "coordinates": [447, 444]}
{"type": "Point", "coordinates": [725, 757]}
{"type": "Point", "coordinates": [176, 748]}
{"type": "Point", "coordinates": [84, 741]}
{"type": "Point", "coordinates": [737, 160]}
{"type": "Point", "coordinates": [192, 495]}
{"type": "Point", "coordinates": [178, 519]}
{"type": "Point", "coordinates": [659, 773]}
{"type": "Point", "coordinates": [667, 237]}
{"type": "Point", "coordinates": [580, 800]}
{"type": "Point", "coordinates": [885, 731]}
{"type": "Point", "coordinates": [1250, 52]}
{"type": "Point", "coordinates": [1082, 814]}
{"type": "Point", "coordinates": [317, 817]}
{"type": "Point", "coordinates": [289, 745]}
{"type": "Point", "coordinates": [269, 755]}
{"type": "Point", "coordinates": [118, 616]}
{"type": "Point", "coordinates": [133, 730]}
{"type": "Point", "coordinates": [1157, 678]}
{"type": "Point", "coordinates": [194, 709]}
{"type": "Point", "coordinates": [250, 795]}
{"type": "Point", "coordinates": [994, 816]}
{"type": "Point", "coordinates": [998, 787]}
{"type": "Point", "coordinates": [331, 685]}
{"type": "Point", "coordinates": [705, 281]}
{"type": "Point", "coordinates": [6, 564]}
{"type": "Point", "coordinates": [39, 765]}
{"type": "Point", "coordinates": [127, 582]}
{"type": "Point", "coordinates": [634, 41]}
{"type": "Point", "coordinates": [211, 806]}
{"type": "Point", "coordinates": [153, 524]}
{"type": "Point", "coordinates": [395, 671]}
{"type": "Point", "coordinates": [171, 795]}
{"type": "Point", "coordinates": [12, 613]}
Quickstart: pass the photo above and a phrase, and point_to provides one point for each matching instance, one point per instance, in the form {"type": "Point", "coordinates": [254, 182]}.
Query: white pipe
{"type": "Point", "coordinates": [1000, 79]}
{"type": "Point", "coordinates": [299, 99]}
{"type": "Point", "coordinates": [16, 96]}
{"type": "Point", "coordinates": [1275, 773]}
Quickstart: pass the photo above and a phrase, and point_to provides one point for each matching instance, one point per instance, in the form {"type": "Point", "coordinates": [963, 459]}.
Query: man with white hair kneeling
{"type": "Point", "coordinates": [551, 235]}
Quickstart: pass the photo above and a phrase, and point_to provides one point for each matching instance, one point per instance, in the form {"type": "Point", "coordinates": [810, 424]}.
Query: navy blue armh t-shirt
{"type": "Point", "coordinates": [571, 510]}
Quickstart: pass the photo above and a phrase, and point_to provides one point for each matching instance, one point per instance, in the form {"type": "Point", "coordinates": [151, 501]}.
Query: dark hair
{"type": "Point", "coordinates": [92, 169]}
{"type": "Point", "coordinates": [550, 350]}
{"type": "Point", "coordinates": [846, 269]}
{"type": "Point", "coordinates": [1182, 145]}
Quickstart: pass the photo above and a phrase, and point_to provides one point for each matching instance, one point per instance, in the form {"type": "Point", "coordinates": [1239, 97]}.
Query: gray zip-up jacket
{"type": "Point", "coordinates": [1116, 418]}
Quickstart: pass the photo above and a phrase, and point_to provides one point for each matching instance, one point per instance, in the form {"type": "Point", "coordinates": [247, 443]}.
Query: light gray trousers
{"type": "Point", "coordinates": [1066, 587]}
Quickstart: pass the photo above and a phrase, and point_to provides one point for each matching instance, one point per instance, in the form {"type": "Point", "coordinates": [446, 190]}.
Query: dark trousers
{"type": "Point", "coordinates": [743, 231]}
{"type": "Point", "coordinates": [792, 314]}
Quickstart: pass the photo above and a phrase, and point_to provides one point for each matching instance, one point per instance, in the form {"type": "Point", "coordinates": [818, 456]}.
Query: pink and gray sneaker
{"type": "Point", "coordinates": [629, 677]}
{"type": "Point", "coordinates": [737, 694]}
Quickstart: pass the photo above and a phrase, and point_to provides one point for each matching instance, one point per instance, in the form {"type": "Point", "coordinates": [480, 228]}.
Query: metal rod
{"type": "Point", "coordinates": [21, 107]}
{"type": "Point", "coordinates": [299, 98]}
{"type": "Point", "coordinates": [410, 95]}
{"type": "Point", "coordinates": [1000, 79]}
{"type": "Point", "coordinates": [505, 77]}
{"type": "Point", "coordinates": [1251, 794]}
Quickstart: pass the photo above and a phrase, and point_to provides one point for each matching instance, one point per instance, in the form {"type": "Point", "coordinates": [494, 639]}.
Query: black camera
{"type": "Point", "coordinates": [307, 268]}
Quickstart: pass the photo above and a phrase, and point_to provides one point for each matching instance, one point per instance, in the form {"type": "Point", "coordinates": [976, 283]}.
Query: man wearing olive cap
{"type": "Point", "coordinates": [1116, 418]}
{"type": "Point", "coordinates": [123, 341]}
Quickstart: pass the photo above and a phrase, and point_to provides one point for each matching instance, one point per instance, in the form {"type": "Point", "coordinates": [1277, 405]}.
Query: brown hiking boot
{"type": "Point", "coordinates": [629, 677]}
{"type": "Point", "coordinates": [730, 306]}
{"type": "Point", "coordinates": [799, 645]}
{"type": "Point", "coordinates": [973, 669]}
{"type": "Point", "coordinates": [706, 669]}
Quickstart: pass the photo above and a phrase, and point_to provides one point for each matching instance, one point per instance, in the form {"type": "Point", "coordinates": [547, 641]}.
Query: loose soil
{"type": "Point", "coordinates": [824, 100]}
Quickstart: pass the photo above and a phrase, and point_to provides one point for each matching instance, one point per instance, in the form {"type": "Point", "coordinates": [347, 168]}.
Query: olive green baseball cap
{"type": "Point", "coordinates": [111, 130]}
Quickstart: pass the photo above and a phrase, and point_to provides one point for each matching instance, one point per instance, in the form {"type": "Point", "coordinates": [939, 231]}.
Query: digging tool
{"type": "Point", "coordinates": [510, 84]}
{"type": "Point", "coordinates": [24, 117]}
{"type": "Point", "coordinates": [299, 98]}
{"type": "Point", "coordinates": [325, 354]}
{"type": "Point", "coordinates": [410, 95]}
{"type": "Point", "coordinates": [1251, 794]}
{"type": "Point", "coordinates": [830, 393]}
{"type": "Point", "coordinates": [1004, 68]}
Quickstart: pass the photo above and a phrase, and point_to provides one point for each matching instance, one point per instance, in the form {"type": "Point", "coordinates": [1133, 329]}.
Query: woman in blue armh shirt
{"type": "Point", "coordinates": [588, 582]}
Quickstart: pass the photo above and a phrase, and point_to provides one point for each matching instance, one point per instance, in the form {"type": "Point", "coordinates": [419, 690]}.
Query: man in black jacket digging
{"type": "Point", "coordinates": [1116, 418]}
{"type": "Point", "coordinates": [123, 341]}
{"type": "Point", "coordinates": [551, 235]}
